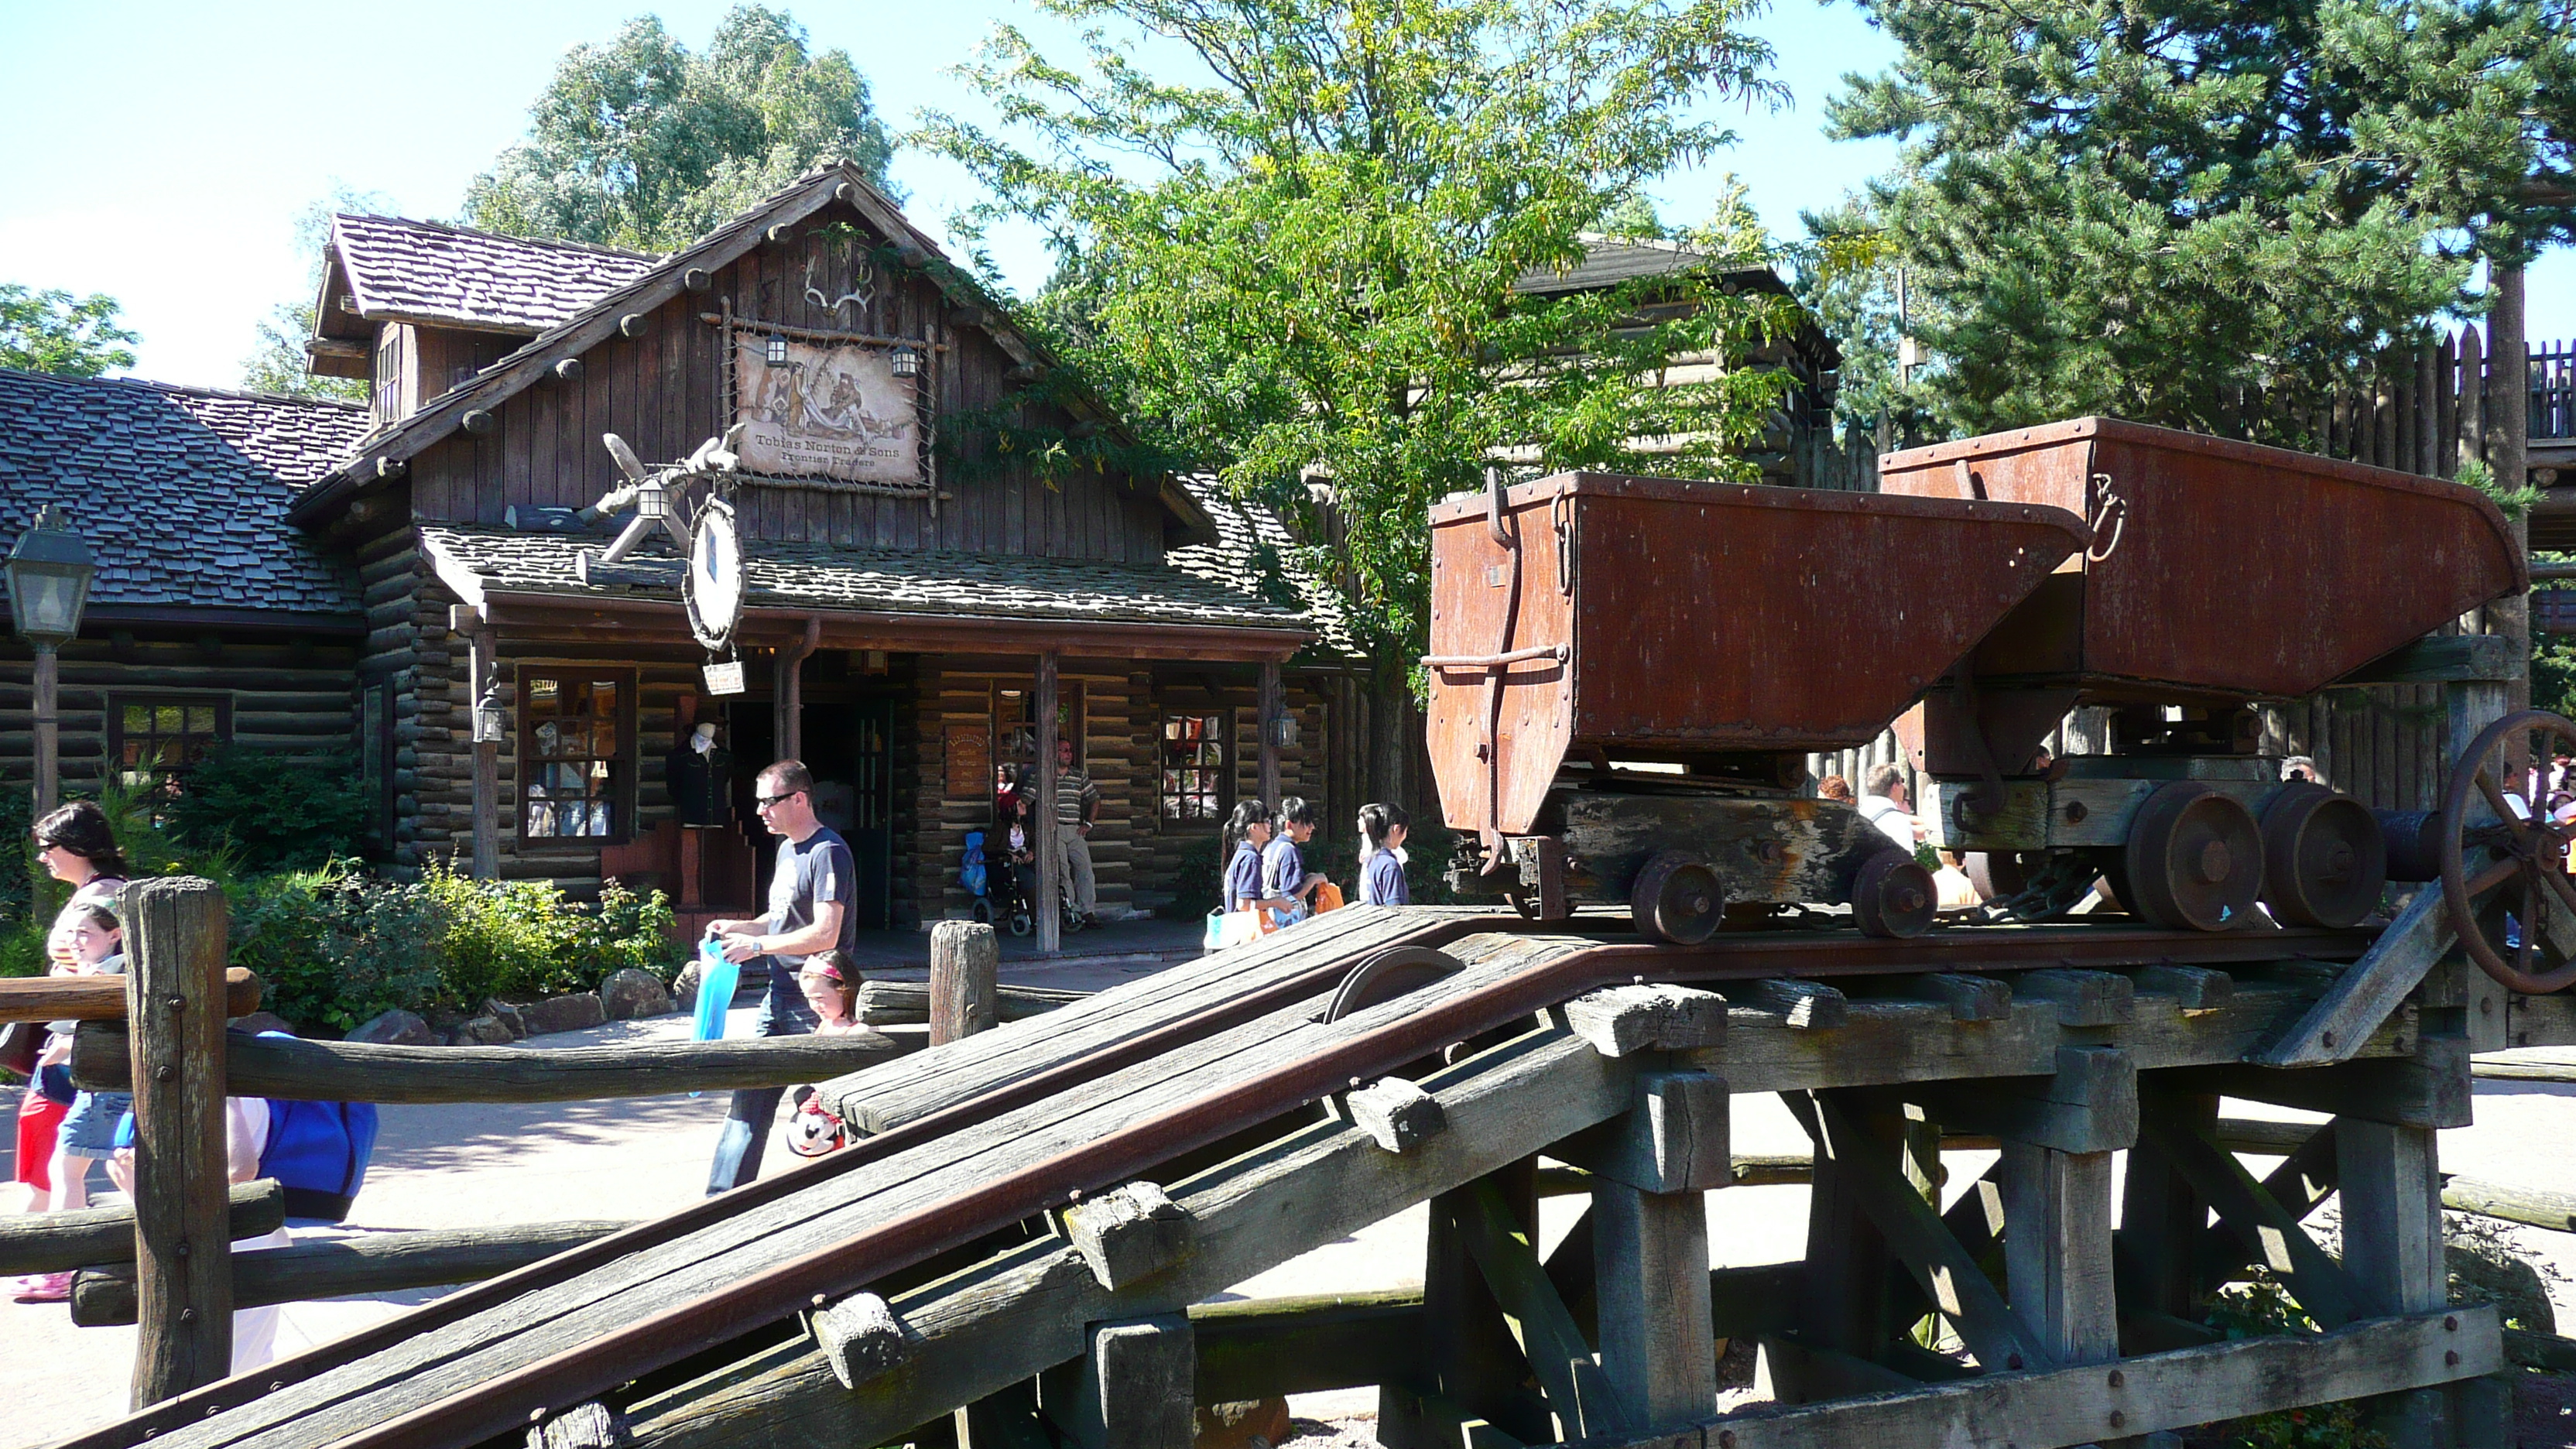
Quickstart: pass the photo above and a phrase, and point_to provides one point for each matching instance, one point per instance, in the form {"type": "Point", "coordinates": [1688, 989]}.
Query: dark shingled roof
{"type": "Point", "coordinates": [182, 492]}
{"type": "Point", "coordinates": [1255, 554]}
{"type": "Point", "coordinates": [423, 270]}
{"type": "Point", "coordinates": [870, 580]}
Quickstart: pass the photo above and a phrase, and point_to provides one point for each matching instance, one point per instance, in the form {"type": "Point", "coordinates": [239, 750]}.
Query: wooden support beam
{"type": "Point", "coordinates": [2057, 1250]}
{"type": "Point", "coordinates": [965, 980]}
{"type": "Point", "coordinates": [1970, 998]}
{"type": "Point", "coordinates": [1940, 1266]}
{"type": "Point", "coordinates": [1007, 1418]}
{"type": "Point", "coordinates": [102, 998]}
{"type": "Point", "coordinates": [1271, 709]}
{"type": "Point", "coordinates": [104, 1297]}
{"type": "Point", "coordinates": [591, 1425]}
{"type": "Point", "coordinates": [2300, 1184]}
{"type": "Point", "coordinates": [2390, 1184]}
{"type": "Point", "coordinates": [174, 941]}
{"type": "Point", "coordinates": [2429, 1089]}
{"type": "Point", "coordinates": [1128, 1234]}
{"type": "Point", "coordinates": [2097, 1403]}
{"type": "Point", "coordinates": [1133, 1387]}
{"type": "Point", "coordinates": [1676, 1139]}
{"type": "Point", "coordinates": [2158, 1250]}
{"type": "Point", "coordinates": [1395, 1113]}
{"type": "Point", "coordinates": [2362, 997]}
{"type": "Point", "coordinates": [2440, 659]}
{"type": "Point", "coordinates": [1809, 1005]}
{"type": "Point", "coordinates": [1651, 1287]}
{"type": "Point", "coordinates": [2082, 998]}
{"type": "Point", "coordinates": [1048, 907]}
{"type": "Point", "coordinates": [483, 684]}
{"type": "Point", "coordinates": [1622, 1021]}
{"type": "Point", "coordinates": [2197, 988]}
{"type": "Point", "coordinates": [1847, 1304]}
{"type": "Point", "coordinates": [61, 1242]}
{"type": "Point", "coordinates": [2089, 1105]}
{"type": "Point", "coordinates": [336, 1071]}
{"type": "Point", "coordinates": [859, 1338]}
{"type": "Point", "coordinates": [1499, 1241]}
{"type": "Point", "coordinates": [2315, 1280]}
{"type": "Point", "coordinates": [907, 1003]}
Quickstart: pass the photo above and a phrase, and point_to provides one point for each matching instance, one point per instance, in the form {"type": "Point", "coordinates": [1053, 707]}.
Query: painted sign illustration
{"type": "Point", "coordinates": [816, 411]}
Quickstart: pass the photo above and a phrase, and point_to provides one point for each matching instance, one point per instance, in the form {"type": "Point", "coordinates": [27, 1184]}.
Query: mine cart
{"type": "Point", "coordinates": [1627, 673]}
{"type": "Point", "coordinates": [2218, 575]}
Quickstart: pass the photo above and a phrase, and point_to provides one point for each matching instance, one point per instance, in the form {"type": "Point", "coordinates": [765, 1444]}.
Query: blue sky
{"type": "Point", "coordinates": [176, 188]}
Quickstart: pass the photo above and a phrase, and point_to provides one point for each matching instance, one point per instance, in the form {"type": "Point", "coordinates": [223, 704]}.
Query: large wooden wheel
{"type": "Point", "coordinates": [2504, 875]}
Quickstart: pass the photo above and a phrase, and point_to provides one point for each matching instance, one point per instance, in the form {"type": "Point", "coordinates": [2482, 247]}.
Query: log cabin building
{"type": "Point", "coordinates": [935, 531]}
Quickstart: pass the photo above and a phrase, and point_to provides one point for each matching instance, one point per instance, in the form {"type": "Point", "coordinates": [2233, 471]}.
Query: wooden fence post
{"type": "Point", "coordinates": [1265, 717]}
{"type": "Point", "coordinates": [174, 934]}
{"type": "Point", "coordinates": [965, 980]}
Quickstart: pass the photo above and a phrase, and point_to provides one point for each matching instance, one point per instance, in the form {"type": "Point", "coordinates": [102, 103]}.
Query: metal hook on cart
{"type": "Point", "coordinates": [2107, 505]}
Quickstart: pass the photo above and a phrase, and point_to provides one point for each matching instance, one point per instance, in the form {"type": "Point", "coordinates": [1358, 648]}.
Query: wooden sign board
{"type": "Point", "coordinates": [970, 760]}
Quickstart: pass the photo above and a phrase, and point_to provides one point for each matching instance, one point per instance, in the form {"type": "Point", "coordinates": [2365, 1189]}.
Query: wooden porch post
{"type": "Point", "coordinates": [482, 687]}
{"type": "Point", "coordinates": [789, 695]}
{"type": "Point", "coordinates": [1042, 829]}
{"type": "Point", "coordinates": [1272, 706]}
{"type": "Point", "coordinates": [2509, 422]}
{"type": "Point", "coordinates": [49, 749]}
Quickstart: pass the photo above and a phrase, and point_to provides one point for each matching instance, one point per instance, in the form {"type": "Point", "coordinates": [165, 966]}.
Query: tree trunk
{"type": "Point", "coordinates": [1390, 742]}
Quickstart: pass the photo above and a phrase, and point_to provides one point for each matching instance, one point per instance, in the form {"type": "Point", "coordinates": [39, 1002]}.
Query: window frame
{"type": "Point", "coordinates": [119, 700]}
{"type": "Point", "coordinates": [1223, 769]}
{"type": "Point", "coordinates": [622, 782]}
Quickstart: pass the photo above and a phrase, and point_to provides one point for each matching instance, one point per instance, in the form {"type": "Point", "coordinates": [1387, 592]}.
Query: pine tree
{"type": "Point", "coordinates": [2203, 214]}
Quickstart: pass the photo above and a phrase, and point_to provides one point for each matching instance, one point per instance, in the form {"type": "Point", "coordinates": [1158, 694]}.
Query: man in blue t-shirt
{"type": "Point", "coordinates": [809, 911]}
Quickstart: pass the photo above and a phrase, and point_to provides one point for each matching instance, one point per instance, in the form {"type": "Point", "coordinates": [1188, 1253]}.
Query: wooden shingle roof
{"type": "Point", "coordinates": [421, 271]}
{"type": "Point", "coordinates": [181, 492]}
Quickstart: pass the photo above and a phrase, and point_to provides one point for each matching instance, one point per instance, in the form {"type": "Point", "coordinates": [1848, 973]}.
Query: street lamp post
{"type": "Point", "coordinates": [48, 573]}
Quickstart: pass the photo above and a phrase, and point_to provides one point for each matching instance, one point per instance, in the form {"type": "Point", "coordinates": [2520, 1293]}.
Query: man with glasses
{"type": "Point", "coordinates": [809, 912]}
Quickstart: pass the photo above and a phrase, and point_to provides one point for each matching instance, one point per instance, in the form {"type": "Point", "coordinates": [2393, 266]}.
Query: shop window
{"type": "Point", "coordinates": [156, 734]}
{"type": "Point", "coordinates": [1194, 769]}
{"type": "Point", "coordinates": [576, 752]}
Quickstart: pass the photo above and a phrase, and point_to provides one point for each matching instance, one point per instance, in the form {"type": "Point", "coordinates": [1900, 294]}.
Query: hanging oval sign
{"type": "Point", "coordinates": [712, 588]}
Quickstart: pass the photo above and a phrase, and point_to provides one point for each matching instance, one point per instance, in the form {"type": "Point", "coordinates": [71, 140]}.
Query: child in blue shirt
{"type": "Point", "coordinates": [1283, 866]}
{"type": "Point", "coordinates": [1382, 832]}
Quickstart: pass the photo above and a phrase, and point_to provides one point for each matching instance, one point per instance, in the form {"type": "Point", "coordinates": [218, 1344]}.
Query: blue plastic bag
{"type": "Point", "coordinates": [717, 978]}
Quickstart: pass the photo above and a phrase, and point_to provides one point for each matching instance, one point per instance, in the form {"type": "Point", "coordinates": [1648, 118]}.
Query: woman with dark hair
{"type": "Point", "coordinates": [78, 849]}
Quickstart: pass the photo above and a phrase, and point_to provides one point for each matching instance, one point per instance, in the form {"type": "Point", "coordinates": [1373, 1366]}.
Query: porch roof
{"type": "Point", "coordinates": [887, 598]}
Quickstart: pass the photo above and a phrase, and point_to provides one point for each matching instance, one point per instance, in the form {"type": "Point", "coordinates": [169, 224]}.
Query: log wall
{"type": "Point", "coordinates": [287, 694]}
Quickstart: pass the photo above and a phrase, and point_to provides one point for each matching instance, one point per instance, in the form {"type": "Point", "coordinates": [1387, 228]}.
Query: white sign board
{"type": "Point", "coordinates": [725, 678]}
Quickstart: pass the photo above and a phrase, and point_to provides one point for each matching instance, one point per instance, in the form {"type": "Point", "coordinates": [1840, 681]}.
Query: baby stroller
{"type": "Point", "coordinates": [1007, 894]}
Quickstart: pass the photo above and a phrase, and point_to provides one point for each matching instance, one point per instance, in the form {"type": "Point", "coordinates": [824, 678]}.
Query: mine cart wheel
{"type": "Point", "coordinates": [1997, 873]}
{"type": "Point", "coordinates": [2194, 859]}
{"type": "Point", "coordinates": [1894, 896]}
{"type": "Point", "coordinates": [1389, 974]}
{"type": "Point", "coordinates": [2324, 858]}
{"type": "Point", "coordinates": [1677, 898]}
{"type": "Point", "coordinates": [2517, 865]}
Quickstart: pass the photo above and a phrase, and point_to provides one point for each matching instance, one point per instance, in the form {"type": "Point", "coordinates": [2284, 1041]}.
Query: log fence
{"type": "Point", "coordinates": [164, 1262]}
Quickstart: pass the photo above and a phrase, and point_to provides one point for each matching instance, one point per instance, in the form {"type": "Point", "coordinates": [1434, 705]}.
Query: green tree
{"type": "Point", "coordinates": [641, 143]}
{"type": "Point", "coordinates": [53, 331]}
{"type": "Point", "coordinates": [279, 363]}
{"type": "Point", "coordinates": [2203, 215]}
{"type": "Point", "coordinates": [1291, 253]}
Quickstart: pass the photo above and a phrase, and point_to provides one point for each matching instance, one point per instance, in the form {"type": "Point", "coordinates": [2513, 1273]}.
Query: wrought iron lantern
{"type": "Point", "coordinates": [49, 573]}
{"type": "Point", "coordinates": [907, 361]}
{"type": "Point", "coordinates": [777, 350]}
{"type": "Point", "coordinates": [491, 724]}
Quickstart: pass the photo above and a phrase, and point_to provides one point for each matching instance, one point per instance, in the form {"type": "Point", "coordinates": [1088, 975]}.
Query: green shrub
{"type": "Point", "coordinates": [1194, 879]}
{"type": "Point", "coordinates": [277, 812]}
{"type": "Point", "coordinates": [523, 938]}
{"type": "Point", "coordinates": [336, 945]}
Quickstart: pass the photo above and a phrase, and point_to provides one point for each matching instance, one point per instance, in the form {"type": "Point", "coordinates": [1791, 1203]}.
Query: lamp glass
{"type": "Point", "coordinates": [48, 576]}
{"type": "Point", "coordinates": [907, 362]}
{"type": "Point", "coordinates": [777, 350]}
{"type": "Point", "coordinates": [651, 501]}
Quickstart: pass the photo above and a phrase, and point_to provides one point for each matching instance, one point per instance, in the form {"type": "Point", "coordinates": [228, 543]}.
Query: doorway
{"type": "Point", "coordinates": [849, 745]}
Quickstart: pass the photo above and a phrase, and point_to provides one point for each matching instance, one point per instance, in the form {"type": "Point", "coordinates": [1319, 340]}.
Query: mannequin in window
{"type": "Point", "coordinates": [700, 774]}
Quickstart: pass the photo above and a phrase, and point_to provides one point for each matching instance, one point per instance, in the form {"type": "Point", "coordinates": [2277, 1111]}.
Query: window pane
{"type": "Point", "coordinates": [138, 719]}
{"type": "Point", "coordinates": [169, 719]}
{"type": "Point", "coordinates": [544, 694]}
{"type": "Point", "coordinates": [603, 695]}
{"type": "Point", "coordinates": [201, 719]}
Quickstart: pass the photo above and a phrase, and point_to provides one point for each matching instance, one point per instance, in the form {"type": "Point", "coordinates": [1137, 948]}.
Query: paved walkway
{"type": "Point", "coordinates": [441, 1167]}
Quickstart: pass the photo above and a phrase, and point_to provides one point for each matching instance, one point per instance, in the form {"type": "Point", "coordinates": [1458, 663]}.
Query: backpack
{"type": "Point", "coordinates": [318, 1152]}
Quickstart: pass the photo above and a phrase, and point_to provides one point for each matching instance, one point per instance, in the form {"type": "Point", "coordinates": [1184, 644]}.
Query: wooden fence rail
{"type": "Point", "coordinates": [102, 998]}
{"type": "Point", "coordinates": [103, 1296]}
{"type": "Point", "coordinates": [61, 1242]}
{"type": "Point", "coordinates": [338, 1071]}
